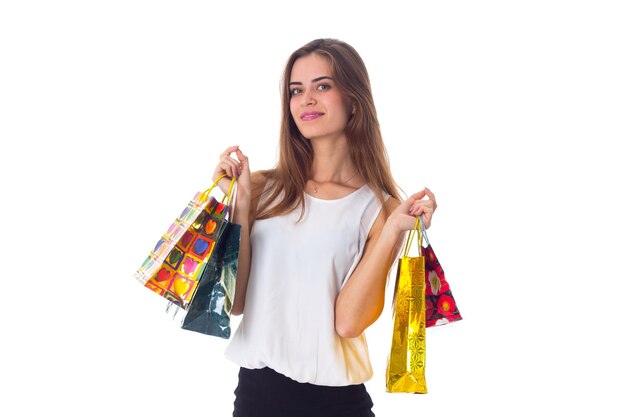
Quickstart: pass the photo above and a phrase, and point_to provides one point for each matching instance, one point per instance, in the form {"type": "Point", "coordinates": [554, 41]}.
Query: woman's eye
{"type": "Point", "coordinates": [295, 91]}
{"type": "Point", "coordinates": [323, 87]}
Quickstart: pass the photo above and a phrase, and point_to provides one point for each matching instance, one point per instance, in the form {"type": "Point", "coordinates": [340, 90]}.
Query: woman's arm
{"type": "Point", "coordinates": [360, 302]}
{"type": "Point", "coordinates": [249, 189]}
{"type": "Point", "coordinates": [242, 218]}
{"type": "Point", "coordinates": [245, 214]}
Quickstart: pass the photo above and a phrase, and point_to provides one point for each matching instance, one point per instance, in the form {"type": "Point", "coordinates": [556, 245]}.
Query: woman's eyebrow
{"type": "Point", "coordinates": [314, 80]}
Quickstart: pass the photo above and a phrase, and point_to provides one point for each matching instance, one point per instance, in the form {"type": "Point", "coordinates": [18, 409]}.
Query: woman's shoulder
{"type": "Point", "coordinates": [386, 200]}
{"type": "Point", "coordinates": [391, 203]}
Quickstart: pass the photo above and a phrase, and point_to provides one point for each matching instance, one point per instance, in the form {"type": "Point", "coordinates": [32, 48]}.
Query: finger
{"type": "Point", "coordinates": [234, 169]}
{"type": "Point", "coordinates": [417, 196]}
{"type": "Point", "coordinates": [416, 211]}
{"type": "Point", "coordinates": [224, 169]}
{"type": "Point", "coordinates": [243, 159]}
{"type": "Point", "coordinates": [241, 156]}
{"type": "Point", "coordinates": [421, 210]}
{"type": "Point", "coordinates": [431, 197]}
{"type": "Point", "coordinates": [427, 219]}
{"type": "Point", "coordinates": [427, 214]}
{"type": "Point", "coordinates": [229, 150]}
{"type": "Point", "coordinates": [229, 159]}
{"type": "Point", "coordinates": [229, 165]}
{"type": "Point", "coordinates": [427, 205]}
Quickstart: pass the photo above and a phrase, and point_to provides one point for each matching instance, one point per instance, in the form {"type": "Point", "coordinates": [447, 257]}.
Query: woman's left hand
{"type": "Point", "coordinates": [403, 217]}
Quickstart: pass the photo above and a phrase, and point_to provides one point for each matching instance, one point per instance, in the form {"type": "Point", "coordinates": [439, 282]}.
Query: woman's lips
{"type": "Point", "coordinates": [305, 117]}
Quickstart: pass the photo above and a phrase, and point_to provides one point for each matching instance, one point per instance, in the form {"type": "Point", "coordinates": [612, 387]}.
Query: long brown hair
{"type": "Point", "coordinates": [367, 150]}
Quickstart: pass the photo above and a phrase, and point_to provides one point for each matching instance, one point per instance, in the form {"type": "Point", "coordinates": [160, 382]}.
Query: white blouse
{"type": "Point", "coordinates": [297, 270]}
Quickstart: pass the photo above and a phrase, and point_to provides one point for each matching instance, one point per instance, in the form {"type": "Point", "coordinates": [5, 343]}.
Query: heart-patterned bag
{"type": "Point", "coordinates": [174, 266]}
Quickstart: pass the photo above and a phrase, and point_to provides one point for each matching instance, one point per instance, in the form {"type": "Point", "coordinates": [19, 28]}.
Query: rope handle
{"type": "Point", "coordinates": [226, 199]}
{"type": "Point", "coordinates": [421, 234]}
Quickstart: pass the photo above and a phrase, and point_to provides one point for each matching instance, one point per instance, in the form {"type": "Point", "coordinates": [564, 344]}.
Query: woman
{"type": "Point", "coordinates": [319, 234]}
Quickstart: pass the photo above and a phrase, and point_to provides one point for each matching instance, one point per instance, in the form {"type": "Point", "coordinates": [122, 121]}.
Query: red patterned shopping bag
{"type": "Point", "coordinates": [441, 307]}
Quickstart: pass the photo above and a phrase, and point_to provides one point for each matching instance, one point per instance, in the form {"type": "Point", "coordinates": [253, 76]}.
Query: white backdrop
{"type": "Point", "coordinates": [112, 115]}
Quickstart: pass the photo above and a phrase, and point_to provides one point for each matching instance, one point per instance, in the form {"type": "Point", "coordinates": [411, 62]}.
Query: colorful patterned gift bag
{"type": "Point", "coordinates": [209, 311]}
{"type": "Point", "coordinates": [440, 304]}
{"type": "Point", "coordinates": [406, 364]}
{"type": "Point", "coordinates": [174, 266]}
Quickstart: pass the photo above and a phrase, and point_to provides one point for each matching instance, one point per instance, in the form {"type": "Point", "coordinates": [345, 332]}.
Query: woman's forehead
{"type": "Point", "coordinates": [310, 67]}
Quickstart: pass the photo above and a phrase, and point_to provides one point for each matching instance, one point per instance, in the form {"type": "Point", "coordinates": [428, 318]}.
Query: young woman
{"type": "Point", "coordinates": [319, 234]}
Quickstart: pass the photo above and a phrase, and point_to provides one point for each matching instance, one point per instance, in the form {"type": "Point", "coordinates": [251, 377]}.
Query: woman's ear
{"type": "Point", "coordinates": [350, 106]}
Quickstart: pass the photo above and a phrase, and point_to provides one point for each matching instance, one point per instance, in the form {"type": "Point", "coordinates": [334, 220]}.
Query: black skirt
{"type": "Point", "coordinates": [266, 393]}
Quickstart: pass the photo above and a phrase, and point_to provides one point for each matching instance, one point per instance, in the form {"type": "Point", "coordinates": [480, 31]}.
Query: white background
{"type": "Point", "coordinates": [112, 115]}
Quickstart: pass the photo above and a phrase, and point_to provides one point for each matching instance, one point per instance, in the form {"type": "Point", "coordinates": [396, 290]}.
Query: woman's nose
{"type": "Point", "coordinates": [307, 99]}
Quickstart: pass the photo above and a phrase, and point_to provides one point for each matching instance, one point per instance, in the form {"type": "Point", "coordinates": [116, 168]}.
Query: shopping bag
{"type": "Point", "coordinates": [423, 299]}
{"type": "Point", "coordinates": [406, 364]}
{"type": "Point", "coordinates": [174, 267]}
{"type": "Point", "coordinates": [209, 311]}
{"type": "Point", "coordinates": [441, 308]}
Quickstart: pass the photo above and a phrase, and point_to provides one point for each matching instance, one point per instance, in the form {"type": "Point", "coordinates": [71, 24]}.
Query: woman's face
{"type": "Point", "coordinates": [318, 108]}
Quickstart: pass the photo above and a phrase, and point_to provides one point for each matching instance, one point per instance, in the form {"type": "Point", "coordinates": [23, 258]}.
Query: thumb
{"type": "Point", "coordinates": [243, 159]}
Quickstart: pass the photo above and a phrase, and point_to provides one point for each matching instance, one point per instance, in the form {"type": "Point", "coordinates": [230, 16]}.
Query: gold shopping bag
{"type": "Point", "coordinates": [406, 364]}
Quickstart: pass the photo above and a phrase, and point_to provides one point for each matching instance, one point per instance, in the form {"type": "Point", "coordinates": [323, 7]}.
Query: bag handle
{"type": "Point", "coordinates": [421, 233]}
{"type": "Point", "coordinates": [424, 235]}
{"type": "Point", "coordinates": [205, 195]}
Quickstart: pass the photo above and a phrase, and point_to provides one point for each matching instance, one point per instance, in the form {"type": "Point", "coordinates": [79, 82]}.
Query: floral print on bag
{"type": "Point", "coordinates": [440, 304]}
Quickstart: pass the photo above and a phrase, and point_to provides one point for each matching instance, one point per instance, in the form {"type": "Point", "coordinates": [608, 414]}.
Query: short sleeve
{"type": "Point", "coordinates": [368, 218]}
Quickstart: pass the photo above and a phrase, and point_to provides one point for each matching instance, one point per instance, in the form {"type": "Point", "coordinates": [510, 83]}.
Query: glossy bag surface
{"type": "Point", "coordinates": [406, 365]}
{"type": "Point", "coordinates": [209, 311]}
{"type": "Point", "coordinates": [173, 268]}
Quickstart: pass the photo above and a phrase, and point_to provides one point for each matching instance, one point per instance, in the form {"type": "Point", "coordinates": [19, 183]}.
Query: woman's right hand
{"type": "Point", "coordinates": [402, 218]}
{"type": "Point", "coordinates": [234, 167]}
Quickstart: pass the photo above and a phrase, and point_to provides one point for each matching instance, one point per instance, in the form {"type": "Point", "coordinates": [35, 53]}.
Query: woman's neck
{"type": "Point", "coordinates": [331, 162]}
